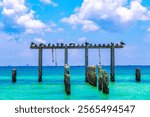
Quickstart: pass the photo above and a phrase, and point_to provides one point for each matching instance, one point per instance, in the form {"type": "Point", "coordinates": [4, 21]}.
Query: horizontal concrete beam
{"type": "Point", "coordinates": [73, 46]}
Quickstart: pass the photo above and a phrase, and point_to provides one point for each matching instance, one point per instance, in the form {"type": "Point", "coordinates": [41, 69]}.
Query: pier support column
{"type": "Point", "coordinates": [91, 77]}
{"type": "Point", "coordinates": [67, 80]}
{"type": "Point", "coordinates": [100, 78]}
{"type": "Point", "coordinates": [112, 63]}
{"type": "Point", "coordinates": [86, 62]}
{"type": "Point", "coordinates": [138, 74]}
{"type": "Point", "coordinates": [66, 55]}
{"type": "Point", "coordinates": [14, 73]}
{"type": "Point", "coordinates": [40, 65]}
{"type": "Point", "coordinates": [105, 83]}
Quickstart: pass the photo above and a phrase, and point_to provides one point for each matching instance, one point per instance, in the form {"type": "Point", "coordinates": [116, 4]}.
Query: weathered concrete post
{"type": "Point", "coordinates": [86, 61]}
{"type": "Point", "coordinates": [67, 80]}
{"type": "Point", "coordinates": [88, 73]}
{"type": "Point", "coordinates": [14, 73]}
{"type": "Point", "coordinates": [92, 78]}
{"type": "Point", "coordinates": [100, 78]}
{"type": "Point", "coordinates": [138, 74]}
{"type": "Point", "coordinates": [40, 64]}
{"type": "Point", "coordinates": [66, 55]}
{"type": "Point", "coordinates": [112, 62]}
{"type": "Point", "coordinates": [105, 83]}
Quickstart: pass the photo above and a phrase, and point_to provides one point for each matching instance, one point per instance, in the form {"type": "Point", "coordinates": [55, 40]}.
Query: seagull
{"type": "Point", "coordinates": [41, 44]}
{"type": "Point", "coordinates": [57, 44]}
{"type": "Point", "coordinates": [33, 44]}
{"type": "Point", "coordinates": [62, 44]}
{"type": "Point", "coordinates": [72, 43]}
{"type": "Point", "coordinates": [86, 43]}
{"type": "Point", "coordinates": [122, 43]}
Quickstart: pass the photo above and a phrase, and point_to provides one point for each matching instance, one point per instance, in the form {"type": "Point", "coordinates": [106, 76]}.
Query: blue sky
{"type": "Point", "coordinates": [95, 21]}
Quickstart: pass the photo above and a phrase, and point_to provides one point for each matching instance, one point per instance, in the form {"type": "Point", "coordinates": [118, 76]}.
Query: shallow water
{"type": "Point", "coordinates": [52, 88]}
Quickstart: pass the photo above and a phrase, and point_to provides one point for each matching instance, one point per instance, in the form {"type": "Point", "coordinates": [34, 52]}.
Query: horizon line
{"type": "Point", "coordinates": [61, 65]}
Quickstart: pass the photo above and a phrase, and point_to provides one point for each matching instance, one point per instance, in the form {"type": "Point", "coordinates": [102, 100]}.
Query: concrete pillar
{"type": "Point", "coordinates": [40, 65]}
{"type": "Point", "coordinates": [105, 83]}
{"type": "Point", "coordinates": [86, 62]}
{"type": "Point", "coordinates": [67, 80]}
{"type": "Point", "coordinates": [100, 78]}
{"type": "Point", "coordinates": [92, 78]}
{"type": "Point", "coordinates": [138, 74]}
{"type": "Point", "coordinates": [87, 74]}
{"type": "Point", "coordinates": [14, 73]}
{"type": "Point", "coordinates": [99, 56]}
{"type": "Point", "coordinates": [112, 63]}
{"type": "Point", "coordinates": [66, 55]}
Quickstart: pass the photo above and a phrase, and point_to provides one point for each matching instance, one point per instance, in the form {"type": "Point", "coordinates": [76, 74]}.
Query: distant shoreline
{"type": "Point", "coordinates": [78, 66]}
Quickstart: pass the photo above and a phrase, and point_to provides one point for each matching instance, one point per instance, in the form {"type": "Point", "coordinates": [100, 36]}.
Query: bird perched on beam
{"type": "Point", "coordinates": [41, 44]}
{"type": "Point", "coordinates": [49, 44]}
{"type": "Point", "coordinates": [62, 44]}
{"type": "Point", "coordinates": [71, 43]}
{"type": "Point", "coordinates": [33, 44]}
{"type": "Point", "coordinates": [122, 43]}
{"type": "Point", "coordinates": [57, 44]}
{"type": "Point", "coordinates": [86, 43]}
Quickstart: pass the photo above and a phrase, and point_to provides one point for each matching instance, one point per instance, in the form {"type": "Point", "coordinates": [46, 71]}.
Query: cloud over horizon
{"type": "Point", "coordinates": [20, 17]}
{"type": "Point", "coordinates": [49, 2]}
{"type": "Point", "coordinates": [92, 13]}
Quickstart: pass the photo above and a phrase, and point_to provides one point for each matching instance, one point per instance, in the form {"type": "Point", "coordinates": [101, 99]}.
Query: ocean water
{"type": "Point", "coordinates": [52, 88]}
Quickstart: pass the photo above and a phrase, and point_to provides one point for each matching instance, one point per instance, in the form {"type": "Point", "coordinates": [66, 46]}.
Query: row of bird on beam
{"type": "Point", "coordinates": [71, 45]}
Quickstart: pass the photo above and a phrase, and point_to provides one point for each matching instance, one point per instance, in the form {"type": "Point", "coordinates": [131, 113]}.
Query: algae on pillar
{"type": "Point", "coordinates": [87, 74]}
{"type": "Point", "coordinates": [92, 78]}
{"type": "Point", "coordinates": [100, 78]}
{"type": "Point", "coordinates": [14, 73]}
{"type": "Point", "coordinates": [105, 83]}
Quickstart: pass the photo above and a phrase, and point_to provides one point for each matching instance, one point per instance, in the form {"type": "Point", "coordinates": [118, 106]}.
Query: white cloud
{"type": "Point", "coordinates": [59, 30]}
{"type": "Point", "coordinates": [12, 7]}
{"type": "Point", "coordinates": [21, 16]}
{"type": "Point", "coordinates": [1, 3]}
{"type": "Point", "coordinates": [60, 40]}
{"type": "Point", "coordinates": [8, 37]}
{"type": "Point", "coordinates": [52, 24]}
{"type": "Point", "coordinates": [148, 29]}
{"type": "Point", "coordinates": [92, 12]}
{"type": "Point", "coordinates": [87, 25]}
{"type": "Point", "coordinates": [39, 40]}
{"type": "Point", "coordinates": [49, 2]}
{"type": "Point", "coordinates": [82, 39]}
{"type": "Point", "coordinates": [136, 12]}
{"type": "Point", "coordinates": [1, 25]}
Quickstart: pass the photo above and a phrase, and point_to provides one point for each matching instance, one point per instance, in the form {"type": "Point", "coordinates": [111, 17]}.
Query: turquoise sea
{"type": "Point", "coordinates": [52, 88]}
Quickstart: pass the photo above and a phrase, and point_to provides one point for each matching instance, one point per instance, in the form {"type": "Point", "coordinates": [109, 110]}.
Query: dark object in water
{"type": "Point", "coordinates": [14, 73]}
{"type": "Point", "coordinates": [67, 80]}
{"type": "Point", "coordinates": [138, 74]}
